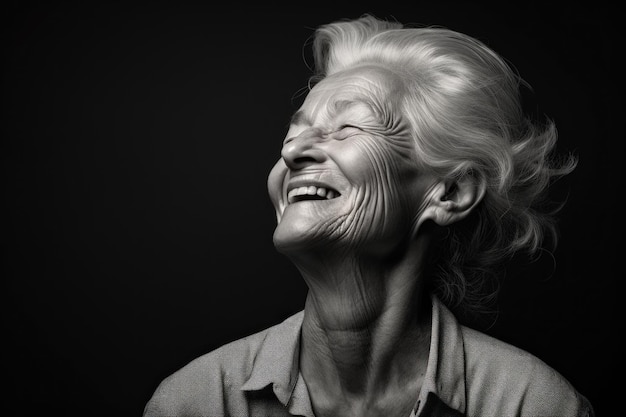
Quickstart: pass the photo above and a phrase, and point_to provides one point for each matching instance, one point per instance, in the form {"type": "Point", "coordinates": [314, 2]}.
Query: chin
{"type": "Point", "coordinates": [288, 241]}
{"type": "Point", "coordinates": [290, 237]}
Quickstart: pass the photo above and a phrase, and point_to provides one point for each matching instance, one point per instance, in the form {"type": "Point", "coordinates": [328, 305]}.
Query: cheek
{"type": "Point", "coordinates": [374, 167]}
{"type": "Point", "coordinates": [380, 176]}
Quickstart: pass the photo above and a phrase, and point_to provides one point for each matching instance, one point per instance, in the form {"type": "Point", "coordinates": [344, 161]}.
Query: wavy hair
{"type": "Point", "coordinates": [462, 102]}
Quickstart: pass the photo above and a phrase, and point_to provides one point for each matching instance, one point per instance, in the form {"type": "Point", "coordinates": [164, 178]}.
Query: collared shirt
{"type": "Point", "coordinates": [469, 374]}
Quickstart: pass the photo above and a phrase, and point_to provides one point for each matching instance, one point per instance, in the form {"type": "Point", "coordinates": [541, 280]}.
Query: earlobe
{"type": "Point", "coordinates": [451, 201]}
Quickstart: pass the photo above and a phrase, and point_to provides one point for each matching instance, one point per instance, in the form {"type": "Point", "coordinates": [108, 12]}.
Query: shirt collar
{"type": "Point", "coordinates": [445, 373]}
{"type": "Point", "coordinates": [277, 362]}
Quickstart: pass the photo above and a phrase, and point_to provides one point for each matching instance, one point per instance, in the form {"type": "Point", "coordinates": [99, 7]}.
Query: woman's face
{"type": "Point", "coordinates": [348, 173]}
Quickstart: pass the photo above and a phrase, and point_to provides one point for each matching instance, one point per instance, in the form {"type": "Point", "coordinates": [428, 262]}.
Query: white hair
{"type": "Point", "coordinates": [462, 103]}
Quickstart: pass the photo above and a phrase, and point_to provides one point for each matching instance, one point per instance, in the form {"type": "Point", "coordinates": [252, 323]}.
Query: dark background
{"type": "Point", "coordinates": [137, 234]}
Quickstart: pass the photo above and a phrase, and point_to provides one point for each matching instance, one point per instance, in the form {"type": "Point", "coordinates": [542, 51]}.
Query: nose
{"type": "Point", "coordinates": [303, 150]}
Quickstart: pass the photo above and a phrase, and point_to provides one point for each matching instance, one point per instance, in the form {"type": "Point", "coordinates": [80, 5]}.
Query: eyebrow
{"type": "Point", "coordinates": [299, 118]}
{"type": "Point", "coordinates": [342, 105]}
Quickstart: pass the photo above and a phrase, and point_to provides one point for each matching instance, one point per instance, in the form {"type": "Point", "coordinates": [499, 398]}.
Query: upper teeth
{"type": "Point", "coordinates": [311, 190]}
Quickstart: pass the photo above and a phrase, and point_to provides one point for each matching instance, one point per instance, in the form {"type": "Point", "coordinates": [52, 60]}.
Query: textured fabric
{"type": "Point", "coordinates": [469, 373]}
{"type": "Point", "coordinates": [434, 407]}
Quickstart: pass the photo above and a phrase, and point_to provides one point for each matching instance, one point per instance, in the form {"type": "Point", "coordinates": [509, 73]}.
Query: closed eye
{"type": "Point", "coordinates": [345, 131]}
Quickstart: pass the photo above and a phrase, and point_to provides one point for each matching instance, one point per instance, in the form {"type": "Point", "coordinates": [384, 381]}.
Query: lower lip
{"type": "Point", "coordinates": [315, 201]}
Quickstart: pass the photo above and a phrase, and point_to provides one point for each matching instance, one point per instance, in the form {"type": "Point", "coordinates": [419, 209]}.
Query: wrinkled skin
{"type": "Point", "coordinates": [359, 251]}
{"type": "Point", "coordinates": [346, 139]}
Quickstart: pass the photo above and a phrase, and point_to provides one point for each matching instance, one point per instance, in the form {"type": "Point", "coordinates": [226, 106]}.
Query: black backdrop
{"type": "Point", "coordinates": [137, 233]}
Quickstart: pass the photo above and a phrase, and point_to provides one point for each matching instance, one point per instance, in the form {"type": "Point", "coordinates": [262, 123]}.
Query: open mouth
{"type": "Point", "coordinates": [311, 192]}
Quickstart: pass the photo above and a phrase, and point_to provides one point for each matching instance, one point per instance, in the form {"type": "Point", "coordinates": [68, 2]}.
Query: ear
{"type": "Point", "coordinates": [450, 201]}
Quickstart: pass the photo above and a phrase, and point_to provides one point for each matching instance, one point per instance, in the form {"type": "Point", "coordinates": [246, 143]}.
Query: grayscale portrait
{"type": "Point", "coordinates": [408, 209]}
{"type": "Point", "coordinates": [408, 175]}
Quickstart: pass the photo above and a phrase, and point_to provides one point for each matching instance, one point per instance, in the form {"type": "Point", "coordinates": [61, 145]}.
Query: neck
{"type": "Point", "coordinates": [365, 336]}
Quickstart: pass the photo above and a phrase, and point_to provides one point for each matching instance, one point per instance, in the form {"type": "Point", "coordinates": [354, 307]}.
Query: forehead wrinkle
{"type": "Point", "coordinates": [368, 85]}
{"type": "Point", "coordinates": [343, 107]}
{"type": "Point", "coordinates": [375, 87]}
{"type": "Point", "coordinates": [353, 98]}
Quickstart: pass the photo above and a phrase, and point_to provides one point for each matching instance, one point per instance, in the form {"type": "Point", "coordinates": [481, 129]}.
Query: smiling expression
{"type": "Point", "coordinates": [348, 172]}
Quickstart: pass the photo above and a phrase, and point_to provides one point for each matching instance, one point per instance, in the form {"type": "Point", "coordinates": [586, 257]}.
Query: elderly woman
{"type": "Point", "coordinates": [408, 174]}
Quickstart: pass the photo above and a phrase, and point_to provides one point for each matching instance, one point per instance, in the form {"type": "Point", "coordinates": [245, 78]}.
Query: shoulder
{"type": "Point", "coordinates": [210, 382]}
{"type": "Point", "coordinates": [503, 378]}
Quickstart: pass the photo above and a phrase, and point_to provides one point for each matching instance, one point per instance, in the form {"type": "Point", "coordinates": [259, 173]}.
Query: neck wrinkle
{"type": "Point", "coordinates": [361, 328]}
